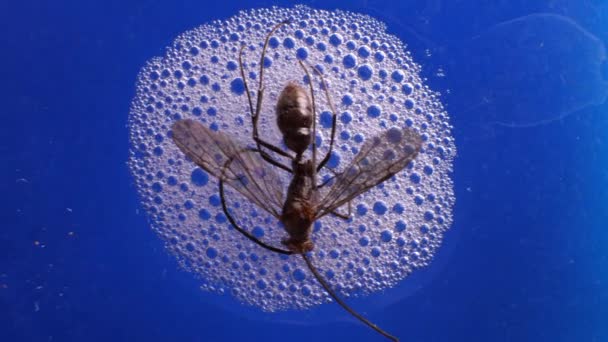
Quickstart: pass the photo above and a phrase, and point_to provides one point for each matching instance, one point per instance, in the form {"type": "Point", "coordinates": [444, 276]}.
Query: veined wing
{"type": "Point", "coordinates": [379, 159]}
{"type": "Point", "coordinates": [241, 168]}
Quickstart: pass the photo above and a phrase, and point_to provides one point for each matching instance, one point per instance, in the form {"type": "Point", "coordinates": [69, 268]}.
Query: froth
{"type": "Point", "coordinates": [395, 227]}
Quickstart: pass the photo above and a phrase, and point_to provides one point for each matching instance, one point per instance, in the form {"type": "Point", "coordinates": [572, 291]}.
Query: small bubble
{"type": "Point", "coordinates": [361, 209]}
{"type": "Point", "coordinates": [349, 61]}
{"type": "Point", "coordinates": [220, 218]}
{"type": "Point", "coordinates": [359, 138]}
{"type": "Point", "coordinates": [199, 177]}
{"type": "Point", "coordinates": [400, 226]}
{"type": "Point", "coordinates": [237, 86]}
{"type": "Point", "coordinates": [289, 43]}
{"type": "Point", "coordinates": [211, 252]}
{"type": "Point", "coordinates": [398, 208]}
{"type": "Point", "coordinates": [386, 236]}
{"type": "Point", "coordinates": [258, 232]}
{"type": "Point", "coordinates": [335, 39]}
{"type": "Point", "coordinates": [409, 103]}
{"type": "Point", "coordinates": [380, 208]}
{"type": "Point", "coordinates": [334, 160]}
{"type": "Point", "coordinates": [374, 111]}
{"type": "Point", "coordinates": [231, 65]}
{"type": "Point", "coordinates": [326, 119]}
{"type": "Point", "coordinates": [273, 42]}
{"type": "Point", "coordinates": [364, 241]}
{"type": "Point", "coordinates": [215, 200]}
{"type": "Point", "coordinates": [171, 180]}
{"type": "Point", "coordinates": [156, 187]}
{"type": "Point", "coordinates": [364, 51]}
{"type": "Point", "coordinates": [365, 72]}
{"type": "Point", "coordinates": [302, 53]}
{"type": "Point", "coordinates": [347, 99]}
{"type": "Point", "coordinates": [299, 274]}
{"type": "Point", "coordinates": [375, 252]}
{"type": "Point", "coordinates": [334, 254]}
{"type": "Point", "coordinates": [397, 76]}
{"type": "Point", "coordinates": [306, 290]}
{"type": "Point", "coordinates": [267, 62]}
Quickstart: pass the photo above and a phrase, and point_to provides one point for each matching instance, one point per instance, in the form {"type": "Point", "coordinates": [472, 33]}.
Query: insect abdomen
{"type": "Point", "coordinates": [294, 117]}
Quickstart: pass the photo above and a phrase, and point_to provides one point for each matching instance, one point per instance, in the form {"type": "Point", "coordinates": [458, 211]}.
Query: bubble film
{"type": "Point", "coordinates": [375, 86]}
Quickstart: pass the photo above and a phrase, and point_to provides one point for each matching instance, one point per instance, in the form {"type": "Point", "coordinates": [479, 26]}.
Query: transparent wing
{"type": "Point", "coordinates": [379, 159]}
{"type": "Point", "coordinates": [241, 168]}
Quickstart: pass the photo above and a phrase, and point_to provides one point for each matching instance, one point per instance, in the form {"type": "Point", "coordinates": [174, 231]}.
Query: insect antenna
{"type": "Point", "coordinates": [333, 118]}
{"type": "Point", "coordinates": [314, 124]}
{"type": "Point", "coordinates": [343, 304]}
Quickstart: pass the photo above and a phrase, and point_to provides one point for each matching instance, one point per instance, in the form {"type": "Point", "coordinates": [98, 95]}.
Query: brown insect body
{"type": "Point", "coordinates": [299, 211]}
{"type": "Point", "coordinates": [294, 118]}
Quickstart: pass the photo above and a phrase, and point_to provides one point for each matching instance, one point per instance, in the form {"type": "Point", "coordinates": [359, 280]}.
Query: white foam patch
{"type": "Point", "coordinates": [395, 227]}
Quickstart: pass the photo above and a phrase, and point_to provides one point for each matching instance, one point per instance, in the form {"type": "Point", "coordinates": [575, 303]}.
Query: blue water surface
{"type": "Point", "coordinates": [525, 260]}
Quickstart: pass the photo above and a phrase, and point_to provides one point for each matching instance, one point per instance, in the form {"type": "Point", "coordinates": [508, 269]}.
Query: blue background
{"type": "Point", "coordinates": [526, 259]}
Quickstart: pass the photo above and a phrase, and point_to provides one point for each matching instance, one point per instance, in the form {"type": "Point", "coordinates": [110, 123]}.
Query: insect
{"type": "Point", "coordinates": [251, 170]}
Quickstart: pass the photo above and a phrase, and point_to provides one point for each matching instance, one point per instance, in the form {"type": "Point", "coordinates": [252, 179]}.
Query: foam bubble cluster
{"type": "Point", "coordinates": [395, 227]}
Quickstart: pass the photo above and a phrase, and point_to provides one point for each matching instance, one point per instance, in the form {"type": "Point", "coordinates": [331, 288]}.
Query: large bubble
{"type": "Point", "coordinates": [395, 227]}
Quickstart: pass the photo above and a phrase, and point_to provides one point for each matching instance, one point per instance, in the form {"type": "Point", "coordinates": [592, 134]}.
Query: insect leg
{"type": "Point", "coordinates": [254, 119]}
{"type": "Point", "coordinates": [333, 119]}
{"type": "Point", "coordinates": [343, 304]}
{"type": "Point", "coordinates": [233, 221]}
{"type": "Point", "coordinates": [258, 107]}
{"type": "Point", "coordinates": [342, 216]}
{"type": "Point", "coordinates": [243, 231]}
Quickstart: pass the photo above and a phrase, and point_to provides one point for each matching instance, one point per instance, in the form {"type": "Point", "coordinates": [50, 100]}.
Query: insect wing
{"type": "Point", "coordinates": [379, 159]}
{"type": "Point", "coordinates": [240, 167]}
